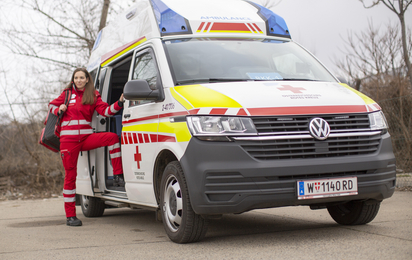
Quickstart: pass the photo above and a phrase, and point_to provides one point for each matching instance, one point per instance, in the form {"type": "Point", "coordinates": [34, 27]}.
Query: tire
{"type": "Point", "coordinates": [91, 206]}
{"type": "Point", "coordinates": [181, 223]}
{"type": "Point", "coordinates": [354, 212]}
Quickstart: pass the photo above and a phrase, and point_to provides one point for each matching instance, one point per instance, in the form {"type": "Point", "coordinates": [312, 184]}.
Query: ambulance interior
{"type": "Point", "coordinates": [118, 78]}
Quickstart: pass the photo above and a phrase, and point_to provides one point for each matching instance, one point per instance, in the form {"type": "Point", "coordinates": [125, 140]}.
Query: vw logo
{"type": "Point", "coordinates": [319, 128]}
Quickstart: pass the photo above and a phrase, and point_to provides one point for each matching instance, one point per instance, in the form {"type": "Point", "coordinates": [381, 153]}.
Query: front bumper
{"type": "Point", "coordinates": [223, 178]}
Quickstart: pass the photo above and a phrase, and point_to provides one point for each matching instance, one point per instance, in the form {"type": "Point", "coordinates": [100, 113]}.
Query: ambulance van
{"type": "Point", "coordinates": [224, 114]}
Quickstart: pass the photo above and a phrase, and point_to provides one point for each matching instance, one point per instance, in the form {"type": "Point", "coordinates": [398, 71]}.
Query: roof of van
{"type": "Point", "coordinates": [200, 18]}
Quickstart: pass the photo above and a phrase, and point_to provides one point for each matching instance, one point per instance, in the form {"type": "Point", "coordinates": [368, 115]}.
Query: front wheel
{"type": "Point", "coordinates": [91, 206]}
{"type": "Point", "coordinates": [181, 223]}
{"type": "Point", "coordinates": [354, 212]}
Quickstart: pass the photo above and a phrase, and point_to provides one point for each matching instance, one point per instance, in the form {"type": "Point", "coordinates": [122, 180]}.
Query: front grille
{"type": "Point", "coordinates": [286, 125]}
{"type": "Point", "coordinates": [311, 148]}
{"type": "Point", "coordinates": [347, 144]}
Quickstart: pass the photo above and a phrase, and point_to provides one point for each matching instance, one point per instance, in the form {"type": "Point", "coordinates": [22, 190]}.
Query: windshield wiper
{"type": "Point", "coordinates": [210, 80]}
{"type": "Point", "coordinates": [296, 79]}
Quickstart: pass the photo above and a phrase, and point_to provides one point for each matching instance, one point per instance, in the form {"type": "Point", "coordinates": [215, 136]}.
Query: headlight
{"type": "Point", "coordinates": [220, 126]}
{"type": "Point", "coordinates": [378, 121]}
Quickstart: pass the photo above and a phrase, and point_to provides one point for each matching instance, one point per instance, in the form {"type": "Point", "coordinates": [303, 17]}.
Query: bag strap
{"type": "Point", "coordinates": [66, 102]}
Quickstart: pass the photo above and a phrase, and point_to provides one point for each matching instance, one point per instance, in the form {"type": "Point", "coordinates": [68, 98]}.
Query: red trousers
{"type": "Point", "coordinates": [70, 154]}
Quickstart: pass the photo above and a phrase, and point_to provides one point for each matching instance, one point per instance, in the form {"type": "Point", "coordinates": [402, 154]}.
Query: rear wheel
{"type": "Point", "coordinates": [181, 223]}
{"type": "Point", "coordinates": [354, 212]}
{"type": "Point", "coordinates": [91, 206]}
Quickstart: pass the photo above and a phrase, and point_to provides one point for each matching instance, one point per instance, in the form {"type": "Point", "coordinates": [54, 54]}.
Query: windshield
{"type": "Point", "coordinates": [200, 60]}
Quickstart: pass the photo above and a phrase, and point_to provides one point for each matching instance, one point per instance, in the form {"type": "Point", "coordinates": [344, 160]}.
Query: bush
{"type": "Point", "coordinates": [33, 170]}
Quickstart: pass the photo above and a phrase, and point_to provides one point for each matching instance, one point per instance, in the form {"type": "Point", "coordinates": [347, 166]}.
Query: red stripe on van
{"type": "Point", "coordinates": [153, 138]}
{"type": "Point", "coordinates": [257, 27]}
{"type": "Point", "coordinates": [141, 138]}
{"type": "Point", "coordinates": [146, 138]}
{"type": "Point", "coordinates": [265, 111]}
{"type": "Point", "coordinates": [140, 119]}
{"type": "Point", "coordinates": [165, 138]}
{"type": "Point", "coordinates": [251, 26]}
{"type": "Point", "coordinates": [125, 139]}
{"type": "Point", "coordinates": [242, 112]}
{"type": "Point", "coordinates": [194, 111]}
{"type": "Point", "coordinates": [207, 26]}
{"type": "Point", "coordinates": [218, 111]}
{"type": "Point", "coordinates": [184, 113]}
{"type": "Point", "coordinates": [229, 27]}
{"type": "Point", "coordinates": [201, 25]}
{"type": "Point", "coordinates": [135, 141]}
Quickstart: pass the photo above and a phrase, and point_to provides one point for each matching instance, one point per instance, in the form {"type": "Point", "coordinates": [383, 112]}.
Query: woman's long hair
{"type": "Point", "coordinates": [89, 96]}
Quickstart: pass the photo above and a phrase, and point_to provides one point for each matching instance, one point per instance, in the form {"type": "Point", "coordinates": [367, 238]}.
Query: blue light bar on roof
{"type": "Point", "coordinates": [275, 25]}
{"type": "Point", "coordinates": [170, 22]}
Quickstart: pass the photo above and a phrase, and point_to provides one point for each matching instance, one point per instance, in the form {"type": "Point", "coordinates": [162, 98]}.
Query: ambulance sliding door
{"type": "Point", "coordinates": [140, 132]}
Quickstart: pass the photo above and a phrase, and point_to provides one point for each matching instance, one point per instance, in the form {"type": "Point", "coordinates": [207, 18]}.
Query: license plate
{"type": "Point", "coordinates": [323, 188]}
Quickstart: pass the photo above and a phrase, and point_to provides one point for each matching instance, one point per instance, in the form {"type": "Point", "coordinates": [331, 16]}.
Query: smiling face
{"type": "Point", "coordinates": [80, 80]}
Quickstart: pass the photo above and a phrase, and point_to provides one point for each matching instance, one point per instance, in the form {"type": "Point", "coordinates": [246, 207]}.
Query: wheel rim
{"type": "Point", "coordinates": [85, 201]}
{"type": "Point", "coordinates": [173, 204]}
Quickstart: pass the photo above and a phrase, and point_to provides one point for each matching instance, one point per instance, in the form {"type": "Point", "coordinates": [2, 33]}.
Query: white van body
{"type": "Point", "coordinates": [224, 113]}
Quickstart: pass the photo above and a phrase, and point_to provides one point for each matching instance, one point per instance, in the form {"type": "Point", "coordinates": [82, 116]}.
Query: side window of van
{"type": "Point", "coordinates": [100, 80]}
{"type": "Point", "coordinates": [93, 74]}
{"type": "Point", "coordinates": [145, 68]}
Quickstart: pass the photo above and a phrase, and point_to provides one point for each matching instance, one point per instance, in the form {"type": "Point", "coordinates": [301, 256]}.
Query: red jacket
{"type": "Point", "coordinates": [76, 121]}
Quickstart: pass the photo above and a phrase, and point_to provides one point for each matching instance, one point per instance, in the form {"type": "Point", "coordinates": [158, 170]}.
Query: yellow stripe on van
{"type": "Point", "coordinates": [141, 128]}
{"type": "Point", "coordinates": [123, 52]}
{"type": "Point", "coordinates": [179, 129]}
{"type": "Point", "coordinates": [366, 99]}
{"type": "Point", "coordinates": [200, 96]}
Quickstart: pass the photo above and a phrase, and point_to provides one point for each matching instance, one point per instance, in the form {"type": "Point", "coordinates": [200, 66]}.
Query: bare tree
{"type": "Point", "coordinates": [64, 36]}
{"type": "Point", "coordinates": [53, 37]}
{"type": "Point", "coordinates": [399, 9]}
{"type": "Point", "coordinates": [61, 33]}
{"type": "Point", "coordinates": [374, 62]}
{"type": "Point", "coordinates": [30, 168]}
{"type": "Point", "coordinates": [373, 53]}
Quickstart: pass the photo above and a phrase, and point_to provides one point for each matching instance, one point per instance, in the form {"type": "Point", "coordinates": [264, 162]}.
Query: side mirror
{"type": "Point", "coordinates": [139, 90]}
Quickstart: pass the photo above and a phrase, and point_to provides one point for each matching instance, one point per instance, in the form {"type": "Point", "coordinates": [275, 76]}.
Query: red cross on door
{"type": "Point", "coordinates": [290, 88]}
{"type": "Point", "coordinates": [138, 157]}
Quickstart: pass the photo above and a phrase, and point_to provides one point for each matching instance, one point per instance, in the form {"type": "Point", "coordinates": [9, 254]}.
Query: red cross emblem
{"type": "Point", "coordinates": [290, 88]}
{"type": "Point", "coordinates": [138, 157]}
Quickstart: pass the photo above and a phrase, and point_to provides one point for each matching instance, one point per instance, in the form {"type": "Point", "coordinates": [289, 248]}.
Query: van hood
{"type": "Point", "coordinates": [272, 98]}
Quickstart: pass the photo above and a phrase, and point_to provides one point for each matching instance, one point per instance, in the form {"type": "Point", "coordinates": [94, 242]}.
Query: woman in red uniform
{"type": "Point", "coordinates": [77, 134]}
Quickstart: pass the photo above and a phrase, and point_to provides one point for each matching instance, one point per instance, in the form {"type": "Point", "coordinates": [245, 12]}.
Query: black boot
{"type": "Point", "coordinates": [118, 180]}
{"type": "Point", "coordinates": [73, 221]}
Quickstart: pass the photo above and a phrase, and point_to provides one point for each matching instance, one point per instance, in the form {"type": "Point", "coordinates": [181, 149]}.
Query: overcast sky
{"type": "Point", "coordinates": [322, 25]}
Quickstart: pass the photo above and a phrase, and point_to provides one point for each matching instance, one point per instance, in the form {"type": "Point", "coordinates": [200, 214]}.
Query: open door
{"type": "Point", "coordinates": [86, 182]}
{"type": "Point", "coordinates": [115, 79]}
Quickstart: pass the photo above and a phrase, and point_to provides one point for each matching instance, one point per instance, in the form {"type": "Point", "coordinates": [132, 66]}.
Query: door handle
{"type": "Point", "coordinates": [127, 115]}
